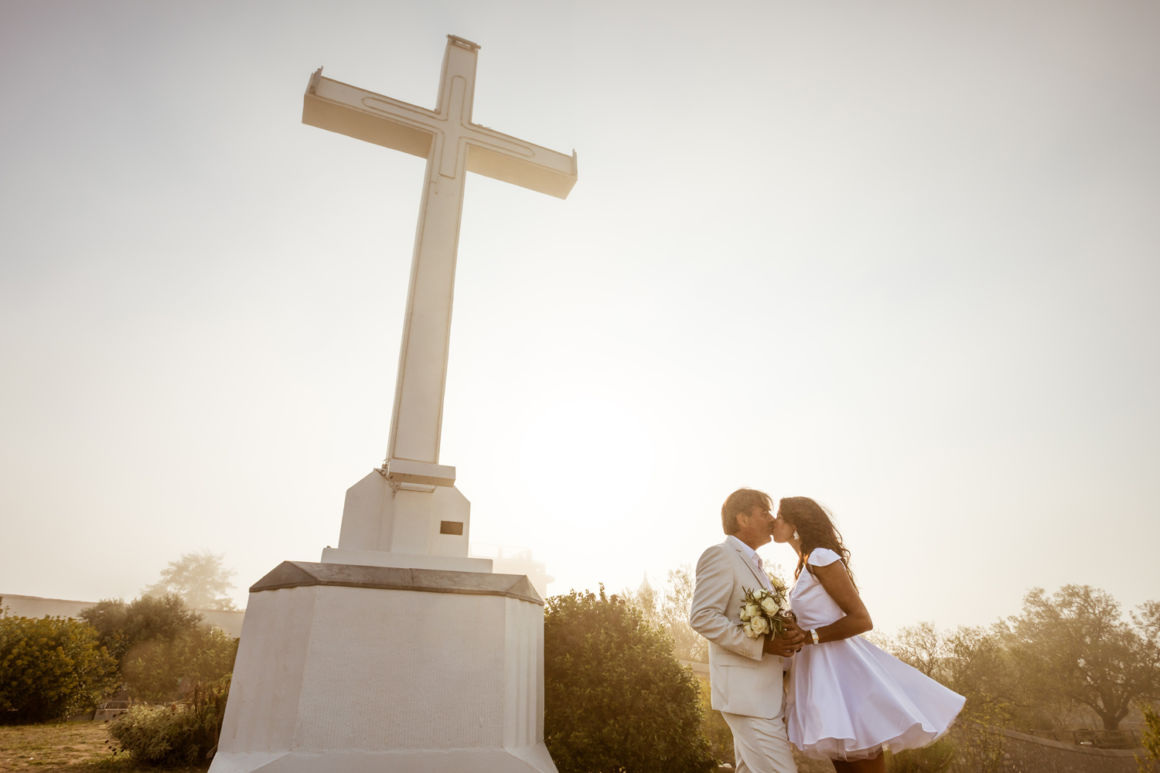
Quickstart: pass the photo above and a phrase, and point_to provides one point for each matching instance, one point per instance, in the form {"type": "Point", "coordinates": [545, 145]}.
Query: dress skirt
{"type": "Point", "coordinates": [848, 699]}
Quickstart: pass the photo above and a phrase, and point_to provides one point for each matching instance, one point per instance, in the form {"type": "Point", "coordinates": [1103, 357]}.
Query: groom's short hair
{"type": "Point", "coordinates": [742, 501]}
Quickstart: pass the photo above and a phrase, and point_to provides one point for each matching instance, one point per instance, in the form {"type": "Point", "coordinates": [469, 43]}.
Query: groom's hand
{"type": "Point", "coordinates": [786, 643]}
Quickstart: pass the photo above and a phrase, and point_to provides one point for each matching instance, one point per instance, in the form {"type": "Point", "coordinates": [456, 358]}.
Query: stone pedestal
{"type": "Point", "coordinates": [390, 520]}
{"type": "Point", "coordinates": [359, 668]}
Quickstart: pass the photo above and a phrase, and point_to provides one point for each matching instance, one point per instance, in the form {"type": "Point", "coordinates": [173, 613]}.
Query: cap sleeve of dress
{"type": "Point", "coordinates": [822, 557]}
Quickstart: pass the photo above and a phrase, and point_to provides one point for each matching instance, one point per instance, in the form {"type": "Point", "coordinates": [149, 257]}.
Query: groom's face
{"type": "Point", "coordinates": [755, 526]}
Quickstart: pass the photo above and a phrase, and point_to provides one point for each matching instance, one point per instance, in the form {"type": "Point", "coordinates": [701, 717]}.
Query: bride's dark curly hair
{"type": "Point", "coordinates": [814, 528]}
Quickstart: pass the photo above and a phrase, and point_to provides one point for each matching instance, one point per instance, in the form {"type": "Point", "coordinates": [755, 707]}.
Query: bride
{"type": "Point", "coordinates": [848, 700]}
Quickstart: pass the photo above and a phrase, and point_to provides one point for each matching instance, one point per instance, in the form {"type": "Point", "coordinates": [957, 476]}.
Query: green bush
{"type": "Point", "coordinates": [615, 698]}
{"type": "Point", "coordinates": [1150, 739]}
{"type": "Point", "coordinates": [50, 668]}
{"type": "Point", "coordinates": [174, 735]}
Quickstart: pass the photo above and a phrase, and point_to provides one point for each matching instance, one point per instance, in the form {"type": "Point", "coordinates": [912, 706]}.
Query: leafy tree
{"type": "Point", "coordinates": [615, 698]}
{"type": "Point", "coordinates": [107, 617]}
{"type": "Point", "coordinates": [678, 598]}
{"type": "Point", "coordinates": [159, 670]}
{"type": "Point", "coordinates": [122, 626]}
{"type": "Point", "coordinates": [979, 665]}
{"type": "Point", "coordinates": [199, 579]}
{"type": "Point", "coordinates": [1075, 647]}
{"type": "Point", "coordinates": [50, 667]}
{"type": "Point", "coordinates": [669, 611]}
{"type": "Point", "coordinates": [973, 661]}
{"type": "Point", "coordinates": [921, 646]}
{"type": "Point", "coordinates": [161, 646]}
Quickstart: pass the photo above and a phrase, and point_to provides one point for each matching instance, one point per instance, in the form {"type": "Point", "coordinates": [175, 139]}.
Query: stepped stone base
{"type": "Point", "coordinates": [357, 668]}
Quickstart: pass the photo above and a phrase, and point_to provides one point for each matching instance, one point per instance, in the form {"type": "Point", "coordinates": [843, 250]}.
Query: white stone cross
{"type": "Point", "coordinates": [453, 146]}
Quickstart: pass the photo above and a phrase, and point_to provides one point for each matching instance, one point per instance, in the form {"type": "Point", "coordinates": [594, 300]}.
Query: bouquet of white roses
{"type": "Point", "coordinates": [764, 611]}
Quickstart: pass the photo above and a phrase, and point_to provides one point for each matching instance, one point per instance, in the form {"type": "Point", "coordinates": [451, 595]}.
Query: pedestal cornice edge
{"type": "Point", "coordinates": [299, 574]}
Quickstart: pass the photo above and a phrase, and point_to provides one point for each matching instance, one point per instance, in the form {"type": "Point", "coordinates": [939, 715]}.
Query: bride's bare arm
{"type": "Point", "coordinates": [836, 580]}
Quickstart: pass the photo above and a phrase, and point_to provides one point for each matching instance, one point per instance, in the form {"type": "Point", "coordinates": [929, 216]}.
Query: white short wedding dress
{"type": "Point", "coordinates": [848, 698]}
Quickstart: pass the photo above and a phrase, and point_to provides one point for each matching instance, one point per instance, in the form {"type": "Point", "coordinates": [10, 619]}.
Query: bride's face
{"type": "Point", "coordinates": [782, 531]}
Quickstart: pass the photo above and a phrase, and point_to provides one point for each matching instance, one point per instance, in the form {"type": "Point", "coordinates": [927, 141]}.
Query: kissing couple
{"type": "Point", "coordinates": [845, 699]}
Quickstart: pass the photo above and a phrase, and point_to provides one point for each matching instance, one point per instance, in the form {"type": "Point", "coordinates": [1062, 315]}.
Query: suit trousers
{"type": "Point", "coordinates": [760, 745]}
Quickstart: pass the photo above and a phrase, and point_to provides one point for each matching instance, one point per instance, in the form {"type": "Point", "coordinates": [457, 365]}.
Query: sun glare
{"type": "Point", "coordinates": [586, 455]}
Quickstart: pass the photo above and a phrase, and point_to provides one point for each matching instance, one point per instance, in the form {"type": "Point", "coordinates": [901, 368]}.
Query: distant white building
{"type": "Point", "coordinates": [36, 606]}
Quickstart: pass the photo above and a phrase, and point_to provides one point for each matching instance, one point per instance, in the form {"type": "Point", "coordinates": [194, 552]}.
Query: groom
{"type": "Point", "coordinates": [745, 675]}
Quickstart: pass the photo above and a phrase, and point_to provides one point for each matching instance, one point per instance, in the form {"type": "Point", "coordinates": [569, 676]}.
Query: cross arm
{"type": "Point", "coordinates": [521, 163]}
{"type": "Point", "coordinates": [365, 115]}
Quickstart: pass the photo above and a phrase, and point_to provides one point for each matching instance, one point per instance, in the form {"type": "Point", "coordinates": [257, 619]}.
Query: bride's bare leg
{"type": "Point", "coordinates": [871, 765]}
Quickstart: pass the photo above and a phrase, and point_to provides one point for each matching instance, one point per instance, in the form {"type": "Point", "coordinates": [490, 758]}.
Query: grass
{"type": "Point", "coordinates": [71, 747]}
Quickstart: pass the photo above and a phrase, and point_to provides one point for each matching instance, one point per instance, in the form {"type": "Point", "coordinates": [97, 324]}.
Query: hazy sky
{"type": "Point", "coordinates": [899, 256]}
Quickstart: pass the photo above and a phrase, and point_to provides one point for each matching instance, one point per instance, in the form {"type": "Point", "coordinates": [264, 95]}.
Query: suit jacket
{"type": "Point", "coordinates": [742, 679]}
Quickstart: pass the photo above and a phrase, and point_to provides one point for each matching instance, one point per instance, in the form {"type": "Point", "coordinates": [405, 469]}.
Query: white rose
{"type": "Point", "coordinates": [770, 605]}
{"type": "Point", "coordinates": [749, 631]}
{"type": "Point", "coordinates": [752, 610]}
{"type": "Point", "coordinates": [759, 625]}
{"type": "Point", "coordinates": [745, 614]}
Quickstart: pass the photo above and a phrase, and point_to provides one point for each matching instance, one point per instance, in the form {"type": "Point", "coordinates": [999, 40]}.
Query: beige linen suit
{"type": "Point", "coordinates": [746, 685]}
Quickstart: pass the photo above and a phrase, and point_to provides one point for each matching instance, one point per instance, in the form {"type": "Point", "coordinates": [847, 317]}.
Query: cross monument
{"type": "Point", "coordinates": [349, 664]}
{"type": "Point", "coordinates": [408, 512]}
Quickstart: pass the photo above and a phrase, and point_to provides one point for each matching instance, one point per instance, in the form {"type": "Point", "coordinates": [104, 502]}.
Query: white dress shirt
{"type": "Point", "coordinates": [754, 560]}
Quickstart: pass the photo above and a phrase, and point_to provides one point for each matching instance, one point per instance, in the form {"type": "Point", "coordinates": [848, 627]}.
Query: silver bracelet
{"type": "Point", "coordinates": [814, 635]}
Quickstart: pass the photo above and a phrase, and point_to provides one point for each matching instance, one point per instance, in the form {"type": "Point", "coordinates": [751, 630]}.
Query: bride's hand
{"type": "Point", "coordinates": [786, 643]}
